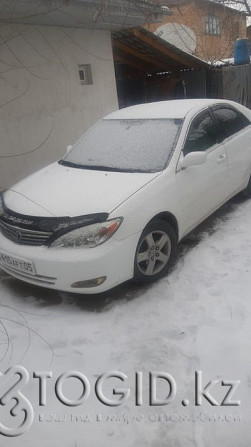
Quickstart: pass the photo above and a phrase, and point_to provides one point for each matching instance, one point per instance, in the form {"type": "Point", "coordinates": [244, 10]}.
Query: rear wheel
{"type": "Point", "coordinates": [156, 252]}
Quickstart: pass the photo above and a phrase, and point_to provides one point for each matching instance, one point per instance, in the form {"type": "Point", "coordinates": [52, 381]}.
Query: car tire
{"type": "Point", "coordinates": [156, 252]}
{"type": "Point", "coordinates": [247, 190]}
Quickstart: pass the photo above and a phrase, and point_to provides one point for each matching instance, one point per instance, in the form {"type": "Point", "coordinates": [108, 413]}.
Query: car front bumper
{"type": "Point", "coordinates": [60, 268]}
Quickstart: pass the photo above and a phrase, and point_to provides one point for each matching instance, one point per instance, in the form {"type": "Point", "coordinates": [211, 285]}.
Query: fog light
{"type": "Point", "coordinates": [89, 283]}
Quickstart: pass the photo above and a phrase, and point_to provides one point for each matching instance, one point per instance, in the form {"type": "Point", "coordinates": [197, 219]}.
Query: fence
{"type": "Point", "coordinates": [233, 82]}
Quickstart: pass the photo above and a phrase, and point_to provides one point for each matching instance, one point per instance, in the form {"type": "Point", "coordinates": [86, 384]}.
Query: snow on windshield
{"type": "Point", "coordinates": [127, 145]}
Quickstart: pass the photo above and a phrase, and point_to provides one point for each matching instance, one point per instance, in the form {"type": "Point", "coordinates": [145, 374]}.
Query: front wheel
{"type": "Point", "coordinates": [156, 252]}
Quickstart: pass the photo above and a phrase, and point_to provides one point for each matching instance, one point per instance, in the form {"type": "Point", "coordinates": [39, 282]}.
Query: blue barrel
{"type": "Point", "coordinates": [241, 52]}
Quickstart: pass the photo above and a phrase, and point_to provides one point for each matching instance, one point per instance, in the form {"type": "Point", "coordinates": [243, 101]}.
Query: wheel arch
{"type": "Point", "coordinates": [169, 218]}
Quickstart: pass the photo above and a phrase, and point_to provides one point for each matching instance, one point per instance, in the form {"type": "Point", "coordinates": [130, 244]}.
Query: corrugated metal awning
{"type": "Point", "coordinates": [146, 52]}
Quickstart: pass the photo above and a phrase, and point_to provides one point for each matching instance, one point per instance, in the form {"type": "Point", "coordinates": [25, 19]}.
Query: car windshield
{"type": "Point", "coordinates": [137, 145]}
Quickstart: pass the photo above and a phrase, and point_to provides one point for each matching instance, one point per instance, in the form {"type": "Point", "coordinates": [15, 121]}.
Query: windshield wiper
{"type": "Point", "coordinates": [68, 163]}
{"type": "Point", "coordinates": [91, 167]}
{"type": "Point", "coordinates": [99, 168]}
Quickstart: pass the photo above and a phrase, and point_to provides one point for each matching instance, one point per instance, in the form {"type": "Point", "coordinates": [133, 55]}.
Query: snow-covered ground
{"type": "Point", "coordinates": [197, 318]}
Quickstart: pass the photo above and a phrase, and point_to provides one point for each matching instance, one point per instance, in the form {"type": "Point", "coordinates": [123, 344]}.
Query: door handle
{"type": "Point", "coordinates": [221, 158]}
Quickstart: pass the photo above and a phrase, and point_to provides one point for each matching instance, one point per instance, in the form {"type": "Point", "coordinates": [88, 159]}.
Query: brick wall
{"type": "Point", "coordinates": [216, 28]}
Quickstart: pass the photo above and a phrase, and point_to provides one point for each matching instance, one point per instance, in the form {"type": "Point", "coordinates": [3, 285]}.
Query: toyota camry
{"type": "Point", "coordinates": [116, 205]}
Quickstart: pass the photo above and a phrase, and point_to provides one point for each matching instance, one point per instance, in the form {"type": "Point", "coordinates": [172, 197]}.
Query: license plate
{"type": "Point", "coordinates": [21, 265]}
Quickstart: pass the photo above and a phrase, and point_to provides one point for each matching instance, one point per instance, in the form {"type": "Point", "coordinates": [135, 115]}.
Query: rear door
{"type": "Point", "coordinates": [235, 132]}
{"type": "Point", "coordinates": [203, 188]}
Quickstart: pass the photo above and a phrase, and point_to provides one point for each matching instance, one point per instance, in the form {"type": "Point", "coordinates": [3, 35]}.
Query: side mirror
{"type": "Point", "coordinates": [69, 148]}
{"type": "Point", "coordinates": [193, 159]}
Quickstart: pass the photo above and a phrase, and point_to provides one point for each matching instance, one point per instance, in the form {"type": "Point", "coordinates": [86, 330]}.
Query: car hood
{"type": "Point", "coordinates": [59, 190]}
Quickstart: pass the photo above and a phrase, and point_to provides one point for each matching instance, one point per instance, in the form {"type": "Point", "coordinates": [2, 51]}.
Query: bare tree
{"type": "Point", "coordinates": [190, 37]}
{"type": "Point", "coordinates": [171, 3]}
{"type": "Point", "coordinates": [242, 5]}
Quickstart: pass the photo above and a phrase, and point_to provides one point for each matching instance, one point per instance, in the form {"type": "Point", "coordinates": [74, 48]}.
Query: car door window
{"type": "Point", "coordinates": [201, 135]}
{"type": "Point", "coordinates": [230, 121]}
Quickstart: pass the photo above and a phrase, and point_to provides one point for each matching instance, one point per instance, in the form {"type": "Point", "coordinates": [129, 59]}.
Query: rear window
{"type": "Point", "coordinates": [230, 121]}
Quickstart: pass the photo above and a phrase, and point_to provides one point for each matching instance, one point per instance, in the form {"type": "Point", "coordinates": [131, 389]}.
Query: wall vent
{"type": "Point", "coordinates": [85, 74]}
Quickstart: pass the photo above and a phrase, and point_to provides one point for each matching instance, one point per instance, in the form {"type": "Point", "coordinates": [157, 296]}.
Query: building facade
{"type": "Point", "coordinates": [57, 75]}
{"type": "Point", "coordinates": [45, 105]}
{"type": "Point", "coordinates": [203, 28]}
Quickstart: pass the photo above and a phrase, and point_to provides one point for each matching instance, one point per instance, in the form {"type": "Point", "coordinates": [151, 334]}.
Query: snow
{"type": "Point", "coordinates": [224, 62]}
{"type": "Point", "coordinates": [197, 318]}
{"type": "Point", "coordinates": [139, 145]}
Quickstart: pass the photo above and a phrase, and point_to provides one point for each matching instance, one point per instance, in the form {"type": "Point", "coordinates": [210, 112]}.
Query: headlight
{"type": "Point", "coordinates": [89, 236]}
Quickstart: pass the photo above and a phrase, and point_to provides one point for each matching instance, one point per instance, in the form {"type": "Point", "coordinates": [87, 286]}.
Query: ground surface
{"type": "Point", "coordinates": [197, 318]}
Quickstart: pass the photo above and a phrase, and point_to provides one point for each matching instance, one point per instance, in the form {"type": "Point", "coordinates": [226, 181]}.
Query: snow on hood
{"type": "Point", "coordinates": [65, 191]}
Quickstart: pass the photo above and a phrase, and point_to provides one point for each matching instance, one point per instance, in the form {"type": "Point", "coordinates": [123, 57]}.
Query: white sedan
{"type": "Point", "coordinates": [116, 205]}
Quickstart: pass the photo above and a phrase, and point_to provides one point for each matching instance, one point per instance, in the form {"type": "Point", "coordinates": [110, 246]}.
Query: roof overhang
{"type": "Point", "coordinates": [98, 14]}
{"type": "Point", "coordinates": [148, 53]}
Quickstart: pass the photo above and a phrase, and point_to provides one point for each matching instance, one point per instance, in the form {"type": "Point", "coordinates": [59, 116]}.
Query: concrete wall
{"type": "Point", "coordinates": [43, 106]}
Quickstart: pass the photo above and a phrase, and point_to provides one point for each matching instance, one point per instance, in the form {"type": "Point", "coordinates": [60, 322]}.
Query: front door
{"type": "Point", "coordinates": [202, 188]}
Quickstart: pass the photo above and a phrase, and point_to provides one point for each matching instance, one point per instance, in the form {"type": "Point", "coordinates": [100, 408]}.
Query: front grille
{"type": "Point", "coordinates": [23, 236]}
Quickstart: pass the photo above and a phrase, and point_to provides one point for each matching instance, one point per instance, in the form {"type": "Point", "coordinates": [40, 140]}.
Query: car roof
{"type": "Point", "coordinates": [176, 109]}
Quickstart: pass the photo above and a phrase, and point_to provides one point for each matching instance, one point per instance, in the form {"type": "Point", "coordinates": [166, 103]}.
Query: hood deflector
{"type": "Point", "coordinates": [54, 224]}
